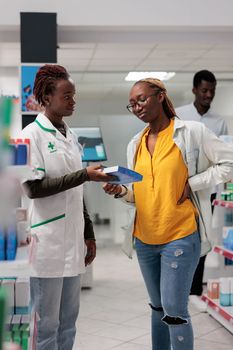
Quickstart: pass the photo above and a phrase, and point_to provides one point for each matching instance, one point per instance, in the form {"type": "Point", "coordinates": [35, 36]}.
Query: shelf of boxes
{"type": "Point", "coordinates": [20, 267]}
{"type": "Point", "coordinates": [223, 314]}
{"type": "Point", "coordinates": [221, 203]}
{"type": "Point", "coordinates": [11, 178]}
{"type": "Point", "coordinates": [223, 251]}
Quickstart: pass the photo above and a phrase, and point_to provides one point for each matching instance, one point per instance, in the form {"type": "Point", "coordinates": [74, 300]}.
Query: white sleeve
{"type": "Point", "coordinates": [220, 154]}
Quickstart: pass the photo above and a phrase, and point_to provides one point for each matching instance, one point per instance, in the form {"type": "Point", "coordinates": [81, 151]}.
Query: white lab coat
{"type": "Point", "coordinates": [57, 220]}
{"type": "Point", "coordinates": [209, 161]}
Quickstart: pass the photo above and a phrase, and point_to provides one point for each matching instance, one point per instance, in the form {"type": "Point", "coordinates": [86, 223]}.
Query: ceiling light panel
{"type": "Point", "coordinates": [135, 76]}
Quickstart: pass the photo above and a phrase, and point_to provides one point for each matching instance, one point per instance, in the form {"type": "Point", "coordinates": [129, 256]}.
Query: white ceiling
{"type": "Point", "coordinates": [98, 60]}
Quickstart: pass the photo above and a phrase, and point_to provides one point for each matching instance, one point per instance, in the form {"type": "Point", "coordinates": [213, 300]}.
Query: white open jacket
{"type": "Point", "coordinates": [209, 161]}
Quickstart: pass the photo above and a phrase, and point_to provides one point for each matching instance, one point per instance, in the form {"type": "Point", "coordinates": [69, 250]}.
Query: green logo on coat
{"type": "Point", "coordinates": [51, 147]}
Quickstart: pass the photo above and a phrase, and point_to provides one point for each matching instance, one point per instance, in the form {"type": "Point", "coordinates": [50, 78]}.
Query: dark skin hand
{"type": "Point", "coordinates": [95, 173]}
{"type": "Point", "coordinates": [186, 193]}
{"type": "Point", "coordinates": [91, 251]}
{"type": "Point", "coordinates": [112, 189]}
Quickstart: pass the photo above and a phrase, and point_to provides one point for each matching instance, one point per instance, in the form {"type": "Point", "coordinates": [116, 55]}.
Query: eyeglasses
{"type": "Point", "coordinates": [141, 102]}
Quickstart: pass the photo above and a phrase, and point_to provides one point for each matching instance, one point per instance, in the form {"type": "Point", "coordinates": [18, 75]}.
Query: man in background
{"type": "Point", "coordinates": [204, 85]}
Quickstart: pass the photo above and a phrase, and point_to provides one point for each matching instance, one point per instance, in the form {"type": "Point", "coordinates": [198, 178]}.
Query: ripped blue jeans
{"type": "Point", "coordinates": [168, 271]}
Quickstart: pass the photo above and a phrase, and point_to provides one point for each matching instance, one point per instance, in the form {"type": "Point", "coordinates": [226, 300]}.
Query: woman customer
{"type": "Point", "coordinates": [58, 216]}
{"type": "Point", "coordinates": [180, 162]}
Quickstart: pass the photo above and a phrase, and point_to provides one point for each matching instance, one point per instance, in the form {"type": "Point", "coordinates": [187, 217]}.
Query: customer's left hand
{"type": "Point", "coordinates": [186, 193]}
{"type": "Point", "coordinates": [91, 251]}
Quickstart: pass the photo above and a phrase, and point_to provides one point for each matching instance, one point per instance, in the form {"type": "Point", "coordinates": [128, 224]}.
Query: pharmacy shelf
{"type": "Point", "coordinates": [225, 204]}
{"type": "Point", "coordinates": [20, 267]}
{"type": "Point", "coordinates": [223, 251]}
{"type": "Point", "coordinates": [223, 314]}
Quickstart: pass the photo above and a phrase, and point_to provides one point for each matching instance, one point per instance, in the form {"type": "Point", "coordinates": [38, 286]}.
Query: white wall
{"type": "Point", "coordinates": [223, 103]}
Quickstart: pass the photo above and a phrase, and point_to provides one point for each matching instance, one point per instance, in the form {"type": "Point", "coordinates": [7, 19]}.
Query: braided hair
{"type": "Point", "coordinates": [159, 86]}
{"type": "Point", "coordinates": [46, 79]}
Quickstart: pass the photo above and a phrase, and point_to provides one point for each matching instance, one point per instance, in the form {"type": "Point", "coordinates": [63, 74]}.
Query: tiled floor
{"type": "Point", "coordinates": [114, 312]}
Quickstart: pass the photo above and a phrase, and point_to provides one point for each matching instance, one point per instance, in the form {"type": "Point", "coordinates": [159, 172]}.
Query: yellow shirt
{"type": "Point", "coordinates": [159, 218]}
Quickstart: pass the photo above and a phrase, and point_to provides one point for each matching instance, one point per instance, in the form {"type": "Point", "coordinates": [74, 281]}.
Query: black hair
{"type": "Point", "coordinates": [203, 75]}
{"type": "Point", "coordinates": [45, 81]}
